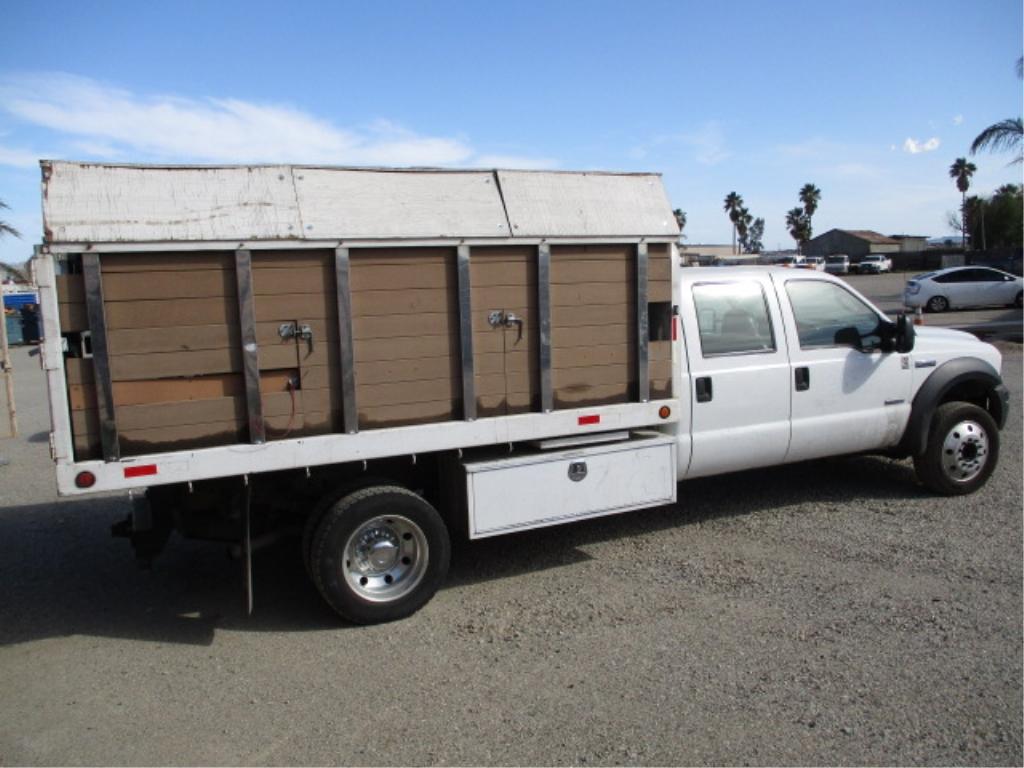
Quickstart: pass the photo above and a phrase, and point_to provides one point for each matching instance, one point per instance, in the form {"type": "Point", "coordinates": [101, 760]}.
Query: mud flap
{"type": "Point", "coordinates": [247, 547]}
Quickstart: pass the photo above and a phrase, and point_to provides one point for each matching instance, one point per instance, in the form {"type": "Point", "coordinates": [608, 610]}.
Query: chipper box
{"type": "Point", "coordinates": [379, 358]}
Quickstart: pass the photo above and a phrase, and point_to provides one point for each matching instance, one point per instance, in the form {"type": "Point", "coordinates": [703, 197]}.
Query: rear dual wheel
{"type": "Point", "coordinates": [379, 554]}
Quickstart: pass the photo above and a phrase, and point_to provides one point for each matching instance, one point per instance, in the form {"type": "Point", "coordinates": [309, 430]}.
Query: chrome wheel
{"type": "Point", "coordinates": [964, 451]}
{"type": "Point", "coordinates": [385, 558]}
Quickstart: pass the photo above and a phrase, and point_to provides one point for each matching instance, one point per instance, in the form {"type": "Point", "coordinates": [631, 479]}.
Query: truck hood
{"type": "Point", "coordinates": [942, 344]}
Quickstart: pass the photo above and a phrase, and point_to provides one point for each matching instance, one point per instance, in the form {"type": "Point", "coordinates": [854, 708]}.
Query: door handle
{"type": "Point", "coordinates": [501, 319]}
{"type": "Point", "coordinates": [802, 376]}
{"type": "Point", "coordinates": [704, 390]}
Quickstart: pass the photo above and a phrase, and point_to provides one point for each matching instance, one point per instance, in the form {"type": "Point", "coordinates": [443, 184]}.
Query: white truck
{"type": "Point", "coordinates": [388, 358]}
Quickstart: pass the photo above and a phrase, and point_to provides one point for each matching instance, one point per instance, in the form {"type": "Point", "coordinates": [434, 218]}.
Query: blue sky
{"type": "Point", "coordinates": [869, 100]}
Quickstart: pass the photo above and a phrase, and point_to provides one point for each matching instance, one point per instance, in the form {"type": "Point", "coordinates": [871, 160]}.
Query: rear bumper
{"type": "Point", "coordinates": [913, 300]}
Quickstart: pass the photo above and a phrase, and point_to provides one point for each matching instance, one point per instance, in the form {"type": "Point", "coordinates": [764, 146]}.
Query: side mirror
{"type": "Point", "coordinates": [905, 334]}
{"type": "Point", "coordinates": [849, 337]}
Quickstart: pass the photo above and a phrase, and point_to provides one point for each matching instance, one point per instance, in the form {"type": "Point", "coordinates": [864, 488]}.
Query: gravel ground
{"type": "Point", "coordinates": [829, 612]}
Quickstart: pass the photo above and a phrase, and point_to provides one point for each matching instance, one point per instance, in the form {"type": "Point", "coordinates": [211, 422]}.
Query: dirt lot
{"type": "Point", "coordinates": [829, 612]}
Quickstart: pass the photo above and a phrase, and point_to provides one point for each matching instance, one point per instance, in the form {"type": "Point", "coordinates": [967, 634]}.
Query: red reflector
{"type": "Point", "coordinates": [140, 471]}
{"type": "Point", "coordinates": [675, 328]}
{"type": "Point", "coordinates": [596, 419]}
{"type": "Point", "coordinates": [85, 480]}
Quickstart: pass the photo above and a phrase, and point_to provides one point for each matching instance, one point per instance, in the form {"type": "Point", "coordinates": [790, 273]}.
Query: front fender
{"type": "Point", "coordinates": [945, 378]}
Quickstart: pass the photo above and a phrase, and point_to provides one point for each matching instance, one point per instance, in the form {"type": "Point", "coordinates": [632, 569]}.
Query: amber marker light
{"type": "Point", "coordinates": [664, 411]}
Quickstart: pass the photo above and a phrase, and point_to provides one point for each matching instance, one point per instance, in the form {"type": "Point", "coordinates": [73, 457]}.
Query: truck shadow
{"type": "Point", "coordinates": [63, 574]}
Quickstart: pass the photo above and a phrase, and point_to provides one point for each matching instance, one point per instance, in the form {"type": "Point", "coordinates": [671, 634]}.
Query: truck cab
{"type": "Point", "coordinates": [786, 366]}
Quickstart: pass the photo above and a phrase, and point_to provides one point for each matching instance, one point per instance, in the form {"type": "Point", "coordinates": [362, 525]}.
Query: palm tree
{"type": "Point", "coordinates": [5, 228]}
{"type": "Point", "coordinates": [796, 223]}
{"type": "Point", "coordinates": [743, 222]}
{"type": "Point", "coordinates": [733, 206]}
{"type": "Point", "coordinates": [961, 172]}
{"type": "Point", "coordinates": [1006, 135]}
{"type": "Point", "coordinates": [680, 215]}
{"type": "Point", "coordinates": [810, 196]}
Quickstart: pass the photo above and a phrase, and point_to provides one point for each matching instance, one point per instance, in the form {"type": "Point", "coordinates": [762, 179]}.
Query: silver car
{"type": "Point", "coordinates": [963, 287]}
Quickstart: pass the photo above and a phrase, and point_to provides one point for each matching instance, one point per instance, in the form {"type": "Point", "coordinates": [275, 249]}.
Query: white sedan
{"type": "Point", "coordinates": [963, 287]}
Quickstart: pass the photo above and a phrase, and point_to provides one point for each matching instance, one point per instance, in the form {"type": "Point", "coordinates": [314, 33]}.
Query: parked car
{"type": "Point", "coordinates": [958, 287]}
{"type": "Point", "coordinates": [814, 262]}
{"type": "Point", "coordinates": [837, 264]}
{"type": "Point", "coordinates": [873, 264]}
{"type": "Point", "coordinates": [790, 261]}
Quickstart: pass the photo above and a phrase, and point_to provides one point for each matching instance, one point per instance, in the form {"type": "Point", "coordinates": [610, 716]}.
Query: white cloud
{"type": "Point", "coordinates": [109, 122]}
{"type": "Point", "coordinates": [915, 147]}
{"type": "Point", "coordinates": [958, 120]}
{"type": "Point", "coordinates": [20, 158]}
{"type": "Point", "coordinates": [514, 161]}
{"type": "Point", "coordinates": [708, 142]}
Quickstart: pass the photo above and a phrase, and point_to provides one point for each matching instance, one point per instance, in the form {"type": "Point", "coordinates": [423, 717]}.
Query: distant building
{"type": "Point", "coordinates": [706, 254]}
{"type": "Point", "coordinates": [853, 242]}
{"type": "Point", "coordinates": [911, 243]}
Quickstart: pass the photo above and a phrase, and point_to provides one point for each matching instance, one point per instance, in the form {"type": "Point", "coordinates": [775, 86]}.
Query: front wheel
{"type": "Point", "coordinates": [379, 554]}
{"type": "Point", "coordinates": [962, 450]}
{"type": "Point", "coordinates": [1018, 302]}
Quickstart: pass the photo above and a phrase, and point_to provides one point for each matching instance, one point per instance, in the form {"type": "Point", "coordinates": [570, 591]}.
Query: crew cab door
{"type": "Point", "coordinates": [845, 400]}
{"type": "Point", "coordinates": [739, 374]}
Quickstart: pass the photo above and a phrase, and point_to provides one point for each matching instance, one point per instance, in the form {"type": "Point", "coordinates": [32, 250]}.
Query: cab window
{"type": "Point", "coordinates": [822, 309]}
{"type": "Point", "coordinates": [733, 318]}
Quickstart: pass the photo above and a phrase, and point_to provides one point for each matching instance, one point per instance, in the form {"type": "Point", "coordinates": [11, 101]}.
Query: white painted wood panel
{"type": "Point", "coordinates": [125, 204]}
{"type": "Point", "coordinates": [552, 204]}
{"type": "Point", "coordinates": [399, 204]}
{"type": "Point", "coordinates": [114, 204]}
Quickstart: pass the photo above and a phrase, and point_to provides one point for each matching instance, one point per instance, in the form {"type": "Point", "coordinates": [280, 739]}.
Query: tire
{"type": "Point", "coordinates": [379, 554]}
{"type": "Point", "coordinates": [937, 304]}
{"type": "Point", "coordinates": [324, 504]}
{"type": "Point", "coordinates": [962, 450]}
{"type": "Point", "coordinates": [1018, 302]}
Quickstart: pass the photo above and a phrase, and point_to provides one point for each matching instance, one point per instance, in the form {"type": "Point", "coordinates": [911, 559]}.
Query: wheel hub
{"type": "Point", "coordinates": [964, 451]}
{"type": "Point", "coordinates": [385, 558]}
{"type": "Point", "coordinates": [376, 550]}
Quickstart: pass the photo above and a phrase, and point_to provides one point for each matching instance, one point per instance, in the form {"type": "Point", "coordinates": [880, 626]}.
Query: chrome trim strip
{"type": "Point", "coordinates": [466, 335]}
{"type": "Point", "coordinates": [547, 395]}
{"type": "Point", "coordinates": [642, 322]}
{"type": "Point", "coordinates": [93, 280]}
{"type": "Point", "coordinates": [346, 349]}
{"type": "Point", "coordinates": [250, 349]}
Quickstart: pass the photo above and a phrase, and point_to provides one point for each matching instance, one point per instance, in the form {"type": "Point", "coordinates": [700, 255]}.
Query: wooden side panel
{"type": "Point", "coordinates": [405, 327]}
{"type": "Point", "coordinates": [174, 339]}
{"type": "Point", "coordinates": [296, 289]}
{"type": "Point", "coordinates": [504, 279]}
{"type": "Point", "coordinates": [593, 321]}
